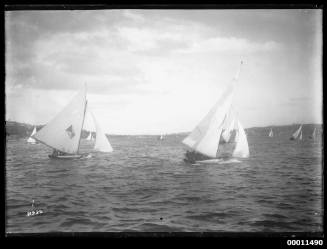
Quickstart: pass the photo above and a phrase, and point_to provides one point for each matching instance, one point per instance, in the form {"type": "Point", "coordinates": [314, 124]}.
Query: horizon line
{"type": "Point", "coordinates": [172, 133]}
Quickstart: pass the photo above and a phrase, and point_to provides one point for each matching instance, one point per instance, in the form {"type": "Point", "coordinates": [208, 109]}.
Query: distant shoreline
{"type": "Point", "coordinates": [20, 130]}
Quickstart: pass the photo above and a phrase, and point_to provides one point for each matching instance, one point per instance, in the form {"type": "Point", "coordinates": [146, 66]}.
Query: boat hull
{"type": "Point", "coordinates": [218, 161]}
{"type": "Point", "coordinates": [67, 157]}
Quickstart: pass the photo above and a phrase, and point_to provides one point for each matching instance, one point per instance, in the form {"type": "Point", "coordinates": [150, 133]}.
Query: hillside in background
{"type": "Point", "coordinates": [22, 130]}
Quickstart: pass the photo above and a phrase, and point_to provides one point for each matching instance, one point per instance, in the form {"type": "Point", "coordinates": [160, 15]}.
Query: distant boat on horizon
{"type": "Point", "coordinates": [63, 132]}
{"type": "Point", "coordinates": [271, 134]}
{"type": "Point", "coordinates": [297, 135]}
{"type": "Point", "coordinates": [161, 137]}
{"type": "Point", "coordinates": [314, 134]}
{"type": "Point", "coordinates": [31, 140]}
{"type": "Point", "coordinates": [220, 134]}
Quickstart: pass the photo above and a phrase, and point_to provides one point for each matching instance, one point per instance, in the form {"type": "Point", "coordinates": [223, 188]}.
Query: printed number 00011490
{"type": "Point", "coordinates": [312, 242]}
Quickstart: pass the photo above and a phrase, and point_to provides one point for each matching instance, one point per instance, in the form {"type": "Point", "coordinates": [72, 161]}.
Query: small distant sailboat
{"type": "Point", "coordinates": [63, 132]}
{"type": "Point", "coordinates": [219, 135]}
{"type": "Point", "coordinates": [271, 134]}
{"type": "Point", "coordinates": [161, 137]}
{"type": "Point", "coordinates": [31, 140]}
{"type": "Point", "coordinates": [297, 135]}
{"type": "Point", "coordinates": [313, 136]}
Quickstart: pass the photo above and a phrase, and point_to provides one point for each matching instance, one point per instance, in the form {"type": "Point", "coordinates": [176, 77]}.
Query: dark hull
{"type": "Point", "coordinates": [67, 157]}
{"type": "Point", "coordinates": [192, 157]}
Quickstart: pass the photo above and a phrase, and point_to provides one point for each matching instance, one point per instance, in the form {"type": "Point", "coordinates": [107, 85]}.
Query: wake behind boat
{"type": "Point", "coordinates": [63, 132]}
{"type": "Point", "coordinates": [220, 135]}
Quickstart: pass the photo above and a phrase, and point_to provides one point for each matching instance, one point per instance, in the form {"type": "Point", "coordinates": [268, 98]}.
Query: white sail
{"type": "Point", "coordinates": [31, 139]}
{"type": "Point", "coordinates": [227, 132]}
{"type": "Point", "coordinates": [89, 137]}
{"type": "Point", "coordinates": [63, 132]}
{"type": "Point", "coordinates": [300, 137]}
{"type": "Point", "coordinates": [101, 141]}
{"type": "Point", "coordinates": [297, 133]}
{"type": "Point", "coordinates": [314, 134]}
{"type": "Point", "coordinates": [271, 134]}
{"type": "Point", "coordinates": [206, 135]}
{"type": "Point", "coordinates": [242, 147]}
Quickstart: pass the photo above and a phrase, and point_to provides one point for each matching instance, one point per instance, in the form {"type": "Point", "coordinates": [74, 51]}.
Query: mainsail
{"type": "Point", "coordinates": [31, 139]}
{"type": "Point", "coordinates": [271, 134]}
{"type": "Point", "coordinates": [206, 135]}
{"type": "Point", "coordinates": [297, 133]}
{"type": "Point", "coordinates": [101, 141]}
{"type": "Point", "coordinates": [63, 132]}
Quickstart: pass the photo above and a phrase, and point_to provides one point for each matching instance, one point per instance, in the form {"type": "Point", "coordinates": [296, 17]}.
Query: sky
{"type": "Point", "coordinates": [160, 71]}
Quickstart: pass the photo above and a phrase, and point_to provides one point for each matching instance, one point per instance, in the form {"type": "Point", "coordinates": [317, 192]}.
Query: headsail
{"type": "Point", "coordinates": [63, 132]}
{"type": "Point", "coordinates": [242, 147]}
{"type": "Point", "coordinates": [271, 134]}
{"type": "Point", "coordinates": [101, 141]}
{"type": "Point", "coordinates": [31, 139]}
{"type": "Point", "coordinates": [206, 135]}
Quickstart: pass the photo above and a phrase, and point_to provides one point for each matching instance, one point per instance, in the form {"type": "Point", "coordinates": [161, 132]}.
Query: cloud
{"type": "Point", "coordinates": [234, 45]}
{"type": "Point", "coordinates": [134, 16]}
{"type": "Point", "coordinates": [158, 65]}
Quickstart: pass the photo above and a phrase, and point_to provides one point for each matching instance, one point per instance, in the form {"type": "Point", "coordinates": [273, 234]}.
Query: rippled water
{"type": "Point", "coordinates": [144, 185]}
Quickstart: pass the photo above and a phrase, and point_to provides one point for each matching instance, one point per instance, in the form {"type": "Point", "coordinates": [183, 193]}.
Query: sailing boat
{"type": "Point", "coordinates": [313, 136]}
{"type": "Point", "coordinates": [161, 137]}
{"type": "Point", "coordinates": [271, 134]}
{"type": "Point", "coordinates": [31, 140]}
{"type": "Point", "coordinates": [210, 136]}
{"type": "Point", "coordinates": [63, 132]}
{"type": "Point", "coordinates": [297, 134]}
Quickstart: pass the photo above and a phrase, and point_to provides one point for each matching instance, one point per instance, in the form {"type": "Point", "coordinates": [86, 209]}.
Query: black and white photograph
{"type": "Point", "coordinates": [163, 120]}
